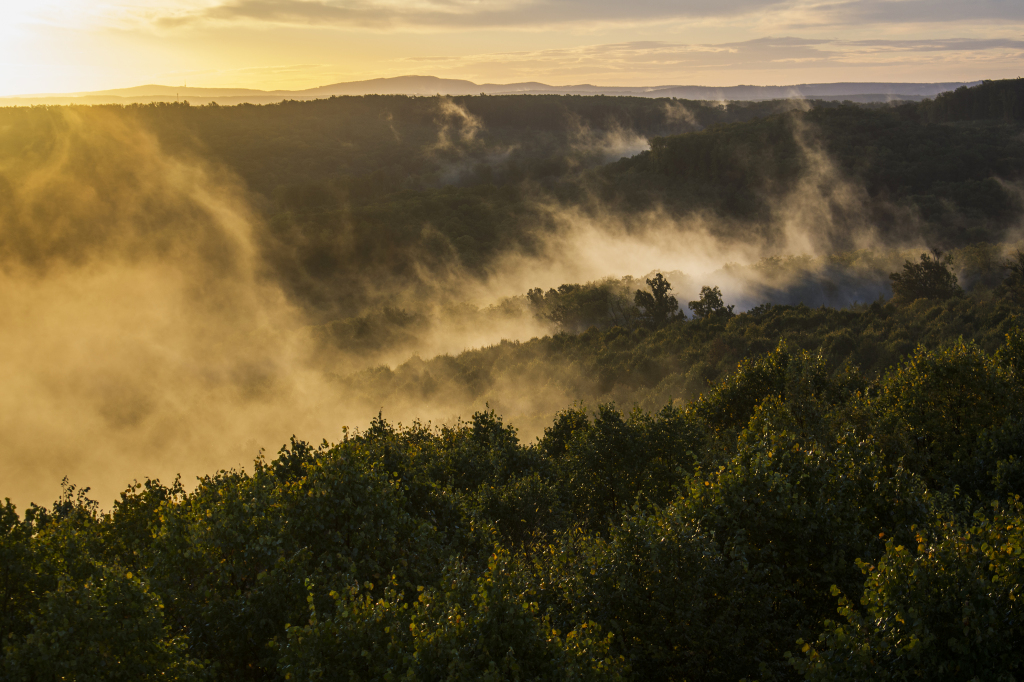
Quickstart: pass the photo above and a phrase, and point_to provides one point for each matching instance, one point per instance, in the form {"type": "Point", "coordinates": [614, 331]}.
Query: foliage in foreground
{"type": "Point", "coordinates": [793, 521]}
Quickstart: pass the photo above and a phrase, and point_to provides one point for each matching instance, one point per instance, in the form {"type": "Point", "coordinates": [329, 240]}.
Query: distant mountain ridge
{"type": "Point", "coordinates": [432, 85]}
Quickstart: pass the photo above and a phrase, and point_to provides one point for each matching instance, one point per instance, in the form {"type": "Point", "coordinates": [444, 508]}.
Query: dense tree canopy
{"type": "Point", "coordinates": [712, 541]}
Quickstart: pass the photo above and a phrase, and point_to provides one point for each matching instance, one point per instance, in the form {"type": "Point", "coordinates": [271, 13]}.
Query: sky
{"type": "Point", "coordinates": [62, 46]}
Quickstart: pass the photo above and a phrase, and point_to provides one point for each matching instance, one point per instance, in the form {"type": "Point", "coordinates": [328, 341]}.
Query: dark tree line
{"type": "Point", "coordinates": [795, 521]}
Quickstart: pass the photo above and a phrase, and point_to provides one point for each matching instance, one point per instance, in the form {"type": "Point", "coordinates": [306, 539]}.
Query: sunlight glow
{"type": "Point", "coordinates": [85, 45]}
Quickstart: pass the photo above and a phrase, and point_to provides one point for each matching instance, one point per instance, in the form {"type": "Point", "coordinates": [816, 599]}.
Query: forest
{"type": "Point", "coordinates": [663, 390]}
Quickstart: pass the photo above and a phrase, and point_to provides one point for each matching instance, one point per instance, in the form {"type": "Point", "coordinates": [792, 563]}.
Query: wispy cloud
{"type": "Point", "coordinates": [449, 14]}
{"type": "Point", "coordinates": [859, 12]}
{"type": "Point", "coordinates": [454, 14]}
{"type": "Point", "coordinates": [658, 57]}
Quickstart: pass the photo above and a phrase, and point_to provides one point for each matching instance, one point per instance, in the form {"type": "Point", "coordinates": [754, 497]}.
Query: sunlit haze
{"type": "Point", "coordinates": [86, 45]}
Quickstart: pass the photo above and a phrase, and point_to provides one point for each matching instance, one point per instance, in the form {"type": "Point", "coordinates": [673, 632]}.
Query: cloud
{"type": "Point", "coordinates": [449, 14]}
{"type": "Point", "coordinates": [467, 14]}
{"type": "Point", "coordinates": [301, 12]}
{"type": "Point", "coordinates": [913, 12]}
{"type": "Point", "coordinates": [647, 59]}
{"type": "Point", "coordinates": [639, 58]}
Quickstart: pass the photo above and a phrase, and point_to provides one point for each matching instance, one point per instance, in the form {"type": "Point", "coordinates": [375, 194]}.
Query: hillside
{"type": "Point", "coordinates": [423, 187]}
{"type": "Point", "coordinates": [432, 85]}
{"type": "Point", "coordinates": [605, 389]}
{"type": "Point", "coordinates": [715, 541]}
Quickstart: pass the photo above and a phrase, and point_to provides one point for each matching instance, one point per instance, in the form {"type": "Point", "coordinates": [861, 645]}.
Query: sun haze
{"type": "Point", "coordinates": [594, 340]}
{"type": "Point", "coordinates": [85, 45]}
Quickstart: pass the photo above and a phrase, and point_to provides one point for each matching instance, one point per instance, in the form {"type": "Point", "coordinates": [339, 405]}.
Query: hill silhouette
{"type": "Point", "coordinates": [432, 85]}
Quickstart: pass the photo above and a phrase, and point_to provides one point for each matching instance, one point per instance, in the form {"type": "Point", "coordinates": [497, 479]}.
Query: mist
{"type": "Point", "coordinates": [141, 338]}
{"type": "Point", "coordinates": [147, 335]}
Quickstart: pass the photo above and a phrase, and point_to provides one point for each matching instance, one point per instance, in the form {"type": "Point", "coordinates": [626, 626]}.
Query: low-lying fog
{"type": "Point", "coordinates": [143, 336]}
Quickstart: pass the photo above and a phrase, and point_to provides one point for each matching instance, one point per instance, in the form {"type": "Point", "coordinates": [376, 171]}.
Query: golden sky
{"type": "Point", "coordinates": [51, 46]}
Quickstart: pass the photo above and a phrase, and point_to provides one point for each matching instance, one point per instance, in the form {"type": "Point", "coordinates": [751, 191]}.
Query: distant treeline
{"type": "Point", "coordinates": [890, 168]}
{"type": "Point", "coordinates": [887, 172]}
{"type": "Point", "coordinates": [367, 196]}
{"type": "Point", "coordinates": [395, 138]}
{"type": "Point", "coordinates": [991, 100]}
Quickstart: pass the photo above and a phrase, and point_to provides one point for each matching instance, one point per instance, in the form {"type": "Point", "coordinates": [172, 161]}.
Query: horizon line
{"type": "Point", "coordinates": [241, 91]}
